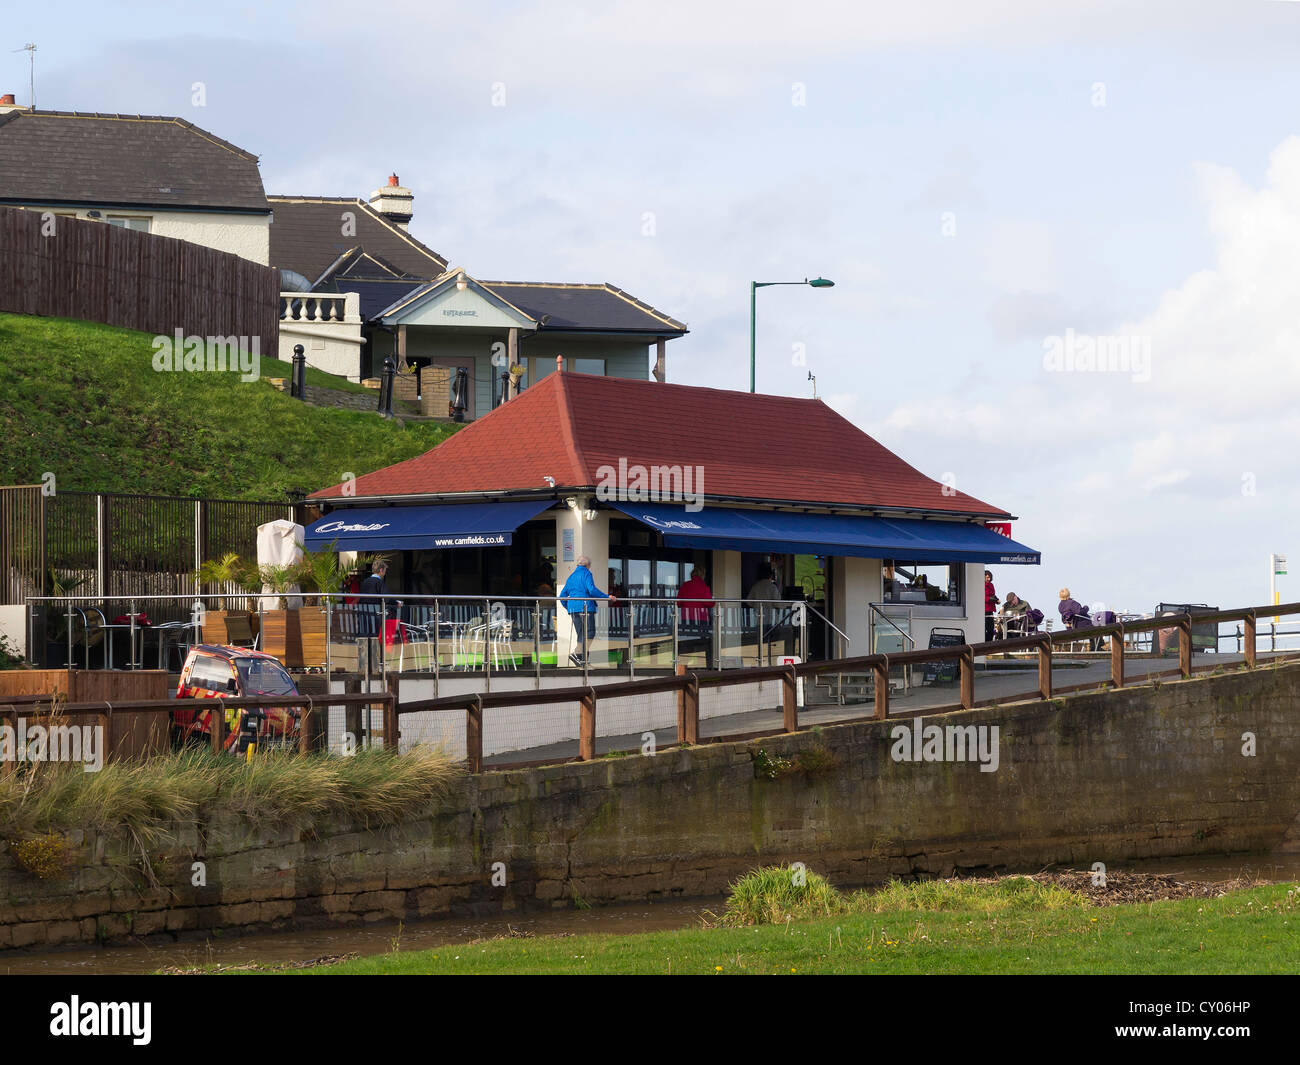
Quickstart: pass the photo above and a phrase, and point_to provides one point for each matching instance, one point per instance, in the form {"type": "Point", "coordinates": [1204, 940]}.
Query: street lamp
{"type": "Point", "coordinates": [754, 286]}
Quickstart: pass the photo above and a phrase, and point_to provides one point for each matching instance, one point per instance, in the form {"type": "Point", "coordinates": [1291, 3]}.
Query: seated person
{"type": "Point", "coordinates": [1073, 613]}
{"type": "Point", "coordinates": [1015, 613]}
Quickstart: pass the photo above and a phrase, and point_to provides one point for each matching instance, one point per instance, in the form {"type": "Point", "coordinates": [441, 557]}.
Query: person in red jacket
{"type": "Point", "coordinates": [695, 605]}
{"type": "Point", "coordinates": [697, 593]}
{"type": "Point", "coordinates": [990, 606]}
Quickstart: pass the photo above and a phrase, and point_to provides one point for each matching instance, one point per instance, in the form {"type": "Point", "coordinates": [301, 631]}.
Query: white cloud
{"type": "Point", "coordinates": [1155, 488]}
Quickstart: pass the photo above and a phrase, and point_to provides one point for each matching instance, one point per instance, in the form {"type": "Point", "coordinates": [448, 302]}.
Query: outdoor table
{"type": "Point", "coordinates": [166, 630]}
{"type": "Point", "coordinates": [134, 626]}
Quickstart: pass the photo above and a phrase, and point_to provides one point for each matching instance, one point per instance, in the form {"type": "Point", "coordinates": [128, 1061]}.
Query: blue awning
{"type": "Point", "coordinates": [432, 528]}
{"type": "Point", "coordinates": [781, 532]}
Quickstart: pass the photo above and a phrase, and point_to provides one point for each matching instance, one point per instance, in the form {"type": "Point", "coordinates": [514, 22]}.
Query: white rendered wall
{"type": "Point", "coordinates": [13, 624]}
{"type": "Point", "coordinates": [324, 346]}
{"type": "Point", "coordinates": [245, 235]}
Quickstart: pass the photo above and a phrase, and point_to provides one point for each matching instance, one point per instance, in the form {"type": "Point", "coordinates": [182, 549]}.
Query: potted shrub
{"type": "Point", "coordinates": [224, 571]}
{"type": "Point", "coordinates": [281, 632]}
{"type": "Point", "coordinates": [321, 572]}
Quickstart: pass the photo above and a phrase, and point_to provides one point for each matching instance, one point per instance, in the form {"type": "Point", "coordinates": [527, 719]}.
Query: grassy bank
{"type": "Point", "coordinates": [1011, 926]}
{"type": "Point", "coordinates": [83, 401]}
{"type": "Point", "coordinates": [141, 800]}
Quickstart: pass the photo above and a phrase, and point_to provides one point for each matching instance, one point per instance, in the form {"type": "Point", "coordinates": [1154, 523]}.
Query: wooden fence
{"type": "Point", "coordinates": [118, 716]}
{"type": "Point", "coordinates": [72, 268]}
{"type": "Point", "coordinates": [128, 734]}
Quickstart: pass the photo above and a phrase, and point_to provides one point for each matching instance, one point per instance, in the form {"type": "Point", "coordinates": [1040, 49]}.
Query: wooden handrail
{"type": "Point", "coordinates": [687, 685]}
{"type": "Point", "coordinates": [15, 703]}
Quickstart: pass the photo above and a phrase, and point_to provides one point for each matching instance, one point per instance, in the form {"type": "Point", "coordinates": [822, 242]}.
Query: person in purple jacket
{"type": "Point", "coordinates": [1074, 614]}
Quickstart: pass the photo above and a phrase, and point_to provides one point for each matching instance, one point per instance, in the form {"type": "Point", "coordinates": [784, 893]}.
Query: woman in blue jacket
{"type": "Point", "coordinates": [579, 596]}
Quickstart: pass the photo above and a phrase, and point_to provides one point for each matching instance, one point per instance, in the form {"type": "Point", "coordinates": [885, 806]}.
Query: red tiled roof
{"type": "Point", "coordinates": [768, 448]}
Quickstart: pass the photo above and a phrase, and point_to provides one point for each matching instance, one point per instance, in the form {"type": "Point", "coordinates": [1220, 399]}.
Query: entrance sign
{"type": "Point", "coordinates": [568, 546]}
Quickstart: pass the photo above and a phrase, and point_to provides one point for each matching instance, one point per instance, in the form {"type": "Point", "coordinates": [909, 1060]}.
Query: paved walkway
{"type": "Point", "coordinates": [998, 680]}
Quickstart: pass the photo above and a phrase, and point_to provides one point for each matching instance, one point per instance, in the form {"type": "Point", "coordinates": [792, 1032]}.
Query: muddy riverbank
{"type": "Point", "coordinates": [1149, 881]}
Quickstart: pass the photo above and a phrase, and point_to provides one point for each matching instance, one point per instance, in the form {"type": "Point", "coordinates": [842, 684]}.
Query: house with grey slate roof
{"type": "Point", "coordinates": [405, 300]}
{"type": "Point", "coordinates": [357, 286]}
{"type": "Point", "coordinates": [151, 173]}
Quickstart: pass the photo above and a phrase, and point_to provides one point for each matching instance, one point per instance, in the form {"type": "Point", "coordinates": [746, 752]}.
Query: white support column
{"type": "Point", "coordinates": [726, 575]}
{"type": "Point", "coordinates": [858, 586]}
{"type": "Point", "coordinates": [590, 538]}
{"type": "Point", "coordinates": [661, 369]}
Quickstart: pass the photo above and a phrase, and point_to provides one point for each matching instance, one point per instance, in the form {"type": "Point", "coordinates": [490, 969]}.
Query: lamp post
{"type": "Point", "coordinates": [754, 286]}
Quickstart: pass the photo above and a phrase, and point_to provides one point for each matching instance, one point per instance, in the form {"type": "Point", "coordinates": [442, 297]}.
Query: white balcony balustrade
{"type": "Point", "coordinates": [327, 325]}
{"type": "Point", "coordinates": [344, 307]}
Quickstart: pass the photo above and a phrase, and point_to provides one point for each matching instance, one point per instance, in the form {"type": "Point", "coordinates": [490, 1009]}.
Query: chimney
{"type": "Point", "coordinates": [8, 104]}
{"type": "Point", "coordinates": [393, 202]}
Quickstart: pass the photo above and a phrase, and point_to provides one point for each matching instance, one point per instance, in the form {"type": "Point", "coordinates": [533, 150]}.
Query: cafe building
{"type": "Point", "coordinates": [653, 480]}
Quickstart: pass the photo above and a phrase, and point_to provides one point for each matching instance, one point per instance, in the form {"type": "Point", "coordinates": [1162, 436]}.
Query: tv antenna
{"type": "Point", "coordinates": [30, 49]}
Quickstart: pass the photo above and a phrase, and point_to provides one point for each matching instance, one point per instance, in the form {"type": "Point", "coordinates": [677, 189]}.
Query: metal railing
{"type": "Point", "coordinates": [445, 633]}
{"type": "Point", "coordinates": [687, 684]}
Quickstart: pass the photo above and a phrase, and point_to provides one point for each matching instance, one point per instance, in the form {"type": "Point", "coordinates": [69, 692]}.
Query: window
{"type": "Point", "coordinates": [140, 225]}
{"type": "Point", "coordinates": [263, 677]}
{"type": "Point", "coordinates": [644, 567]}
{"type": "Point", "coordinates": [593, 366]}
{"type": "Point", "coordinates": [935, 583]}
{"type": "Point", "coordinates": [210, 673]}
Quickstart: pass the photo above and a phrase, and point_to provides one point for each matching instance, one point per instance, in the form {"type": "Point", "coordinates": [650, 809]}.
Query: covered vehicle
{"type": "Point", "coordinates": [220, 672]}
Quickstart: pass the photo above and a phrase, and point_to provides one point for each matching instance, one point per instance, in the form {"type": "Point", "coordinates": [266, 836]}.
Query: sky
{"type": "Point", "coordinates": [1065, 239]}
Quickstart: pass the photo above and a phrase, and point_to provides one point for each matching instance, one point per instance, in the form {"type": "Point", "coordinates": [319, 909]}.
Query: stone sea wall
{"type": "Point", "coordinates": [1107, 776]}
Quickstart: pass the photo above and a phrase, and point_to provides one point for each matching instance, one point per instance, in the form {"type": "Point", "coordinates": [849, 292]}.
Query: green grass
{"type": "Point", "coordinates": [935, 928]}
{"type": "Point", "coordinates": [83, 401]}
{"type": "Point", "coordinates": [142, 800]}
{"type": "Point", "coordinates": [278, 368]}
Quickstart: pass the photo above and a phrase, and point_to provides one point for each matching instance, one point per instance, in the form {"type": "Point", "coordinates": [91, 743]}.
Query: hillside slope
{"type": "Point", "coordinates": [84, 402]}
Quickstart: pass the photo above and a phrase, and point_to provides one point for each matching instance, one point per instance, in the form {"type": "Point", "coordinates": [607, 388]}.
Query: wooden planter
{"type": "Point", "coordinates": [296, 637]}
{"type": "Point", "coordinates": [216, 626]}
{"type": "Point", "coordinates": [311, 628]}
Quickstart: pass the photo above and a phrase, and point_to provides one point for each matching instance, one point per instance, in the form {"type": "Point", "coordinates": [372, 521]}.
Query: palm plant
{"type": "Point", "coordinates": [322, 572]}
{"type": "Point", "coordinates": [56, 624]}
{"type": "Point", "coordinates": [224, 571]}
{"type": "Point", "coordinates": [281, 578]}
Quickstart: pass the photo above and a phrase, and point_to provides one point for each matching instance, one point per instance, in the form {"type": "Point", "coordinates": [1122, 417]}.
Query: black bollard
{"type": "Point", "coordinates": [386, 387]}
{"type": "Point", "coordinates": [298, 381]}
